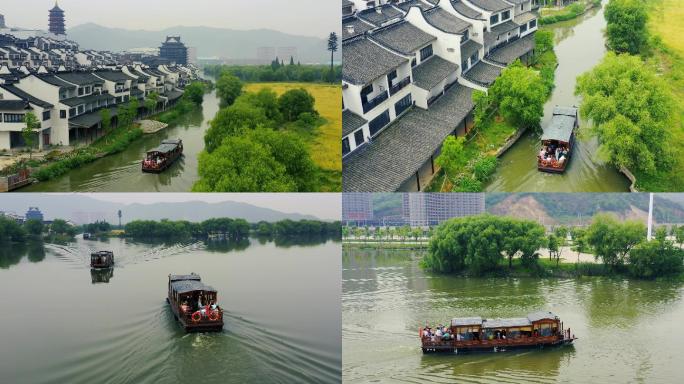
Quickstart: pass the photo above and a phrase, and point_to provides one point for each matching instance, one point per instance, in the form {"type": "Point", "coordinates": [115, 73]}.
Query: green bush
{"type": "Point", "coordinates": [651, 259]}
{"type": "Point", "coordinates": [484, 168]}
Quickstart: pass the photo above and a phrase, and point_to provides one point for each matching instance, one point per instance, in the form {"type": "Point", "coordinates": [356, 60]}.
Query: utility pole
{"type": "Point", "coordinates": [119, 214]}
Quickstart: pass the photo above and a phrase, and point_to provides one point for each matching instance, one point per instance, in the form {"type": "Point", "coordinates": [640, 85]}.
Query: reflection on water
{"type": "Point", "coordinates": [628, 330]}
{"type": "Point", "coordinates": [281, 322]}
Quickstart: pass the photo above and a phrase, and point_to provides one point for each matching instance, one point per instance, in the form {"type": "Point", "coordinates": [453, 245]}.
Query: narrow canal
{"type": "Point", "coordinates": [579, 47]}
{"type": "Point", "coordinates": [629, 331]}
{"type": "Point", "coordinates": [60, 324]}
{"type": "Point", "coordinates": [121, 172]}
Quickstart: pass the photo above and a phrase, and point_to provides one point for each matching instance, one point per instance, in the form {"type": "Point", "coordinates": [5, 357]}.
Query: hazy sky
{"type": "Point", "coordinates": [326, 206]}
{"type": "Point", "coordinates": [300, 17]}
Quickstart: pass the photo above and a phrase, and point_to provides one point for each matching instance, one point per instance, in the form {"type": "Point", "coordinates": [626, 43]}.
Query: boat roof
{"type": "Point", "coordinates": [163, 148]}
{"type": "Point", "coordinates": [171, 141]}
{"type": "Point", "coordinates": [459, 321]}
{"type": "Point", "coordinates": [562, 124]}
{"type": "Point", "coordinates": [102, 253]}
{"type": "Point", "coordinates": [184, 286]}
{"type": "Point", "coordinates": [192, 276]}
{"type": "Point", "coordinates": [541, 315]}
{"type": "Point", "coordinates": [504, 323]}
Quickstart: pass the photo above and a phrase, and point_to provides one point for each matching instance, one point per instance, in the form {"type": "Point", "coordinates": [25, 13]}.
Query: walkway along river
{"type": "Point", "coordinates": [121, 172]}
{"type": "Point", "coordinates": [629, 331]}
{"type": "Point", "coordinates": [579, 47]}
{"type": "Point", "coordinates": [60, 325]}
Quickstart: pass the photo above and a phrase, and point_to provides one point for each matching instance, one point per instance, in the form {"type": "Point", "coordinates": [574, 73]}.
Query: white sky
{"type": "Point", "coordinates": [301, 17]}
{"type": "Point", "coordinates": [326, 206]}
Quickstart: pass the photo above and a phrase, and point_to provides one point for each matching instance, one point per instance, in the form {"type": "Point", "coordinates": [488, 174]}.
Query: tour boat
{"type": "Point", "coordinates": [538, 329]}
{"type": "Point", "coordinates": [102, 259]}
{"type": "Point", "coordinates": [558, 140]}
{"type": "Point", "coordinates": [160, 158]}
{"type": "Point", "coordinates": [194, 304]}
{"type": "Point", "coordinates": [86, 235]}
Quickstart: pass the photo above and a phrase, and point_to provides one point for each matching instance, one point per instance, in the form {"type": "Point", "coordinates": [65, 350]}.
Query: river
{"type": "Point", "coordinates": [579, 47]}
{"type": "Point", "coordinates": [121, 172]}
{"type": "Point", "coordinates": [60, 324]}
{"type": "Point", "coordinates": [629, 331]}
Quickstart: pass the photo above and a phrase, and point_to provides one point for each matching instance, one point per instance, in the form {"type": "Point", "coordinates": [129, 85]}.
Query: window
{"type": "Point", "coordinates": [391, 76]}
{"type": "Point", "coordinates": [72, 112]}
{"type": "Point", "coordinates": [365, 91]}
{"type": "Point", "coordinates": [402, 104]}
{"type": "Point", "coordinates": [345, 146]}
{"type": "Point", "coordinates": [80, 91]}
{"type": "Point", "coordinates": [464, 65]}
{"type": "Point", "coordinates": [413, 62]}
{"type": "Point", "coordinates": [465, 36]}
{"type": "Point", "coordinates": [533, 23]}
{"type": "Point", "coordinates": [506, 15]}
{"type": "Point", "coordinates": [62, 114]}
{"type": "Point", "coordinates": [522, 7]}
{"type": "Point", "coordinates": [358, 137]}
{"type": "Point", "coordinates": [494, 19]}
{"type": "Point", "coordinates": [46, 115]}
{"type": "Point", "coordinates": [87, 90]}
{"type": "Point", "coordinates": [378, 123]}
{"type": "Point", "coordinates": [474, 57]}
{"type": "Point", "coordinates": [523, 28]}
{"type": "Point", "coordinates": [14, 117]}
{"type": "Point", "coordinates": [425, 52]}
{"type": "Point", "coordinates": [81, 108]}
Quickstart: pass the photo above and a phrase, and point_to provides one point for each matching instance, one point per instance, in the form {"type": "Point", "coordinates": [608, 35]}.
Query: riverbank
{"type": "Point", "coordinates": [551, 15]}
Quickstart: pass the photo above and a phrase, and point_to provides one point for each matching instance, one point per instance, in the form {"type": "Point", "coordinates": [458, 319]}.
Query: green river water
{"type": "Point", "coordinates": [629, 331]}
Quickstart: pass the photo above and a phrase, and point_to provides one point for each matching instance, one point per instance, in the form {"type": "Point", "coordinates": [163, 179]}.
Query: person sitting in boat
{"type": "Point", "coordinates": [542, 153]}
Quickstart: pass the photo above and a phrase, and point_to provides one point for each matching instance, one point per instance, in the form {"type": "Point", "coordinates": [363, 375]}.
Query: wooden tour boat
{"type": "Point", "coordinates": [558, 140]}
{"type": "Point", "coordinates": [86, 235]}
{"type": "Point", "coordinates": [160, 158]}
{"type": "Point", "coordinates": [194, 304]}
{"type": "Point", "coordinates": [538, 329]}
{"type": "Point", "coordinates": [102, 259]}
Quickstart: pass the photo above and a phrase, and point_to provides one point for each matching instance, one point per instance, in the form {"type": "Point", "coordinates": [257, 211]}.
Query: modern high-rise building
{"type": "Point", "coordinates": [357, 207]}
{"type": "Point", "coordinates": [427, 209]}
{"type": "Point", "coordinates": [174, 50]}
{"type": "Point", "coordinates": [56, 23]}
{"type": "Point", "coordinates": [34, 214]}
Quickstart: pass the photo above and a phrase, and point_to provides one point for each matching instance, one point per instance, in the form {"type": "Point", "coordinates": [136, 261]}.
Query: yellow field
{"type": "Point", "coordinates": [667, 22]}
{"type": "Point", "coordinates": [326, 149]}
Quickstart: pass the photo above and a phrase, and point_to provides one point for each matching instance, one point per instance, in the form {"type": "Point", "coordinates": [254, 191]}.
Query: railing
{"type": "Point", "coordinates": [377, 100]}
{"type": "Point", "coordinates": [187, 315]}
{"type": "Point", "coordinates": [400, 85]}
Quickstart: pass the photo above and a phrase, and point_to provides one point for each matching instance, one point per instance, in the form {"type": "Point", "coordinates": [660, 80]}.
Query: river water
{"type": "Point", "coordinates": [579, 47]}
{"type": "Point", "coordinates": [629, 331]}
{"type": "Point", "coordinates": [121, 172]}
{"type": "Point", "coordinates": [60, 325]}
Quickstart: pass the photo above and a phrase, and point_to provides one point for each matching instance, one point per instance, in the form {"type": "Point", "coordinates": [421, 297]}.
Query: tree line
{"type": "Point", "coordinates": [280, 72]}
{"type": "Point", "coordinates": [14, 231]}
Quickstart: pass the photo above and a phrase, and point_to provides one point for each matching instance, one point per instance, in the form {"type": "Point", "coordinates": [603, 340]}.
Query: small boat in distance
{"type": "Point", "coordinates": [538, 329]}
{"type": "Point", "coordinates": [194, 304]}
{"type": "Point", "coordinates": [160, 158]}
{"type": "Point", "coordinates": [558, 140]}
{"type": "Point", "coordinates": [102, 259]}
{"type": "Point", "coordinates": [86, 235]}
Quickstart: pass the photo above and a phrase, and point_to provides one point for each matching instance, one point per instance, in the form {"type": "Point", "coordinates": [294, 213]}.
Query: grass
{"type": "Point", "coordinates": [325, 142]}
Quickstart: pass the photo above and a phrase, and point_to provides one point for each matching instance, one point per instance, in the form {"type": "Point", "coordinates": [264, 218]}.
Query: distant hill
{"type": "Point", "coordinates": [222, 42]}
{"type": "Point", "coordinates": [82, 209]}
{"type": "Point", "coordinates": [554, 208]}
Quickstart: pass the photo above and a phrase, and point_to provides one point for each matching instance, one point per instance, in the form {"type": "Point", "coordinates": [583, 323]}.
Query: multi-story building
{"type": "Point", "coordinates": [410, 67]}
{"type": "Point", "coordinates": [34, 213]}
{"type": "Point", "coordinates": [428, 209]}
{"type": "Point", "coordinates": [56, 23]}
{"type": "Point", "coordinates": [357, 208]}
{"type": "Point", "coordinates": [174, 50]}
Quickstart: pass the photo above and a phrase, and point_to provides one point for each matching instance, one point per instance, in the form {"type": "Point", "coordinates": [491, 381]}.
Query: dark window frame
{"type": "Point", "coordinates": [356, 137]}
{"type": "Point", "coordinates": [345, 148]}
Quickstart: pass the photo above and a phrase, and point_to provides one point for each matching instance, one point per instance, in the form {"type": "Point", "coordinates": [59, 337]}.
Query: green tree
{"type": "Point", "coordinates": [34, 227]}
{"type": "Point", "coordinates": [61, 227]}
{"type": "Point", "coordinates": [519, 94]}
{"type": "Point", "coordinates": [10, 230]}
{"type": "Point", "coordinates": [332, 47]}
{"type": "Point", "coordinates": [232, 121]}
{"type": "Point", "coordinates": [228, 88]}
{"type": "Point", "coordinates": [679, 235]}
{"type": "Point", "coordinates": [612, 240]}
{"type": "Point", "coordinates": [151, 102]}
{"type": "Point", "coordinates": [195, 92]}
{"type": "Point", "coordinates": [29, 131]}
{"type": "Point", "coordinates": [627, 28]}
{"type": "Point", "coordinates": [106, 117]}
{"type": "Point", "coordinates": [295, 102]}
{"type": "Point", "coordinates": [631, 109]}
{"type": "Point", "coordinates": [655, 258]}
{"type": "Point", "coordinates": [453, 157]}
{"type": "Point", "coordinates": [579, 242]}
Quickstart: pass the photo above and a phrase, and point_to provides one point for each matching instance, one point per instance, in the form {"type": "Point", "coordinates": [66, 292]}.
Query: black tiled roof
{"type": "Point", "coordinates": [491, 5]}
{"type": "Point", "coordinates": [483, 73]}
{"type": "Point", "coordinates": [469, 47]}
{"type": "Point", "coordinates": [13, 105]}
{"type": "Point", "coordinates": [445, 21]}
{"type": "Point", "coordinates": [174, 95]}
{"type": "Point", "coordinates": [403, 37]}
{"type": "Point", "coordinates": [508, 53]}
{"type": "Point", "coordinates": [504, 27]}
{"type": "Point", "coordinates": [51, 79]}
{"type": "Point", "coordinates": [465, 10]}
{"type": "Point", "coordinates": [525, 18]}
{"type": "Point", "coordinates": [80, 78]}
{"type": "Point", "coordinates": [360, 27]}
{"type": "Point", "coordinates": [73, 101]}
{"type": "Point", "coordinates": [18, 92]}
{"type": "Point", "coordinates": [387, 13]}
{"type": "Point", "coordinates": [88, 120]}
{"type": "Point", "coordinates": [93, 98]}
{"type": "Point", "coordinates": [430, 72]}
{"type": "Point", "coordinates": [414, 3]}
{"type": "Point", "coordinates": [364, 61]}
{"type": "Point", "coordinates": [400, 150]}
{"type": "Point", "coordinates": [115, 76]}
{"type": "Point", "coordinates": [351, 122]}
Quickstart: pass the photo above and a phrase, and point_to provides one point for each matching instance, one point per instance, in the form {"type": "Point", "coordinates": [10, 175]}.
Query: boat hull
{"type": "Point", "coordinates": [172, 159]}
{"type": "Point", "coordinates": [482, 348]}
{"type": "Point", "coordinates": [190, 326]}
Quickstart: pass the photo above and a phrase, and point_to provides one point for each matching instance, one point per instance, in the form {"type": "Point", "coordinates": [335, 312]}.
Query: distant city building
{"type": "Point", "coordinates": [266, 55]}
{"type": "Point", "coordinates": [174, 50]}
{"type": "Point", "coordinates": [357, 208]}
{"type": "Point", "coordinates": [56, 23]}
{"type": "Point", "coordinates": [192, 55]}
{"type": "Point", "coordinates": [427, 209]}
{"type": "Point", "coordinates": [2, 22]}
{"type": "Point", "coordinates": [285, 53]}
{"type": "Point", "coordinates": [34, 214]}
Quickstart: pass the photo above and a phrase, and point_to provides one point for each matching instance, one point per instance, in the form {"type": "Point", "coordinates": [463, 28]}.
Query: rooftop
{"type": "Point", "coordinates": [504, 323]}
{"type": "Point", "coordinates": [483, 73]}
{"type": "Point", "coordinates": [51, 79]}
{"type": "Point", "coordinates": [90, 119]}
{"type": "Point", "coordinates": [19, 93]}
{"type": "Point", "coordinates": [184, 286]}
{"type": "Point", "coordinates": [73, 101]}
{"type": "Point", "coordinates": [561, 125]}
{"type": "Point", "coordinates": [540, 315]}
{"type": "Point", "coordinates": [115, 76]}
{"type": "Point", "coordinates": [80, 78]}
{"type": "Point", "coordinates": [364, 61]}
{"type": "Point", "coordinates": [508, 53]}
{"type": "Point", "coordinates": [359, 27]}
{"type": "Point", "coordinates": [459, 321]}
{"type": "Point", "coordinates": [469, 47]}
{"type": "Point", "coordinates": [414, 3]}
{"type": "Point", "coordinates": [380, 15]}
{"type": "Point", "coordinates": [432, 71]}
{"type": "Point", "coordinates": [504, 27]}
{"type": "Point", "coordinates": [445, 21]}
{"type": "Point", "coordinates": [491, 5]}
{"type": "Point", "coordinates": [525, 18]}
{"type": "Point", "coordinates": [14, 105]}
{"type": "Point", "coordinates": [403, 37]}
{"type": "Point", "coordinates": [351, 122]}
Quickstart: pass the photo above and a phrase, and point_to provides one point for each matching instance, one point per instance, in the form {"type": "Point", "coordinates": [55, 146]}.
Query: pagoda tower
{"type": "Point", "coordinates": [56, 21]}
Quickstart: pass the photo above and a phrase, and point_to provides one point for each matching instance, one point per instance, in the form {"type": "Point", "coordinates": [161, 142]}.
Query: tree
{"type": "Point", "coordinates": [519, 94]}
{"type": "Point", "coordinates": [292, 60]}
{"type": "Point", "coordinates": [195, 92]}
{"type": "Point", "coordinates": [295, 102]}
{"type": "Point", "coordinates": [151, 102]}
{"type": "Point", "coordinates": [655, 258]}
{"type": "Point", "coordinates": [228, 88]}
{"type": "Point", "coordinates": [106, 117]}
{"type": "Point", "coordinates": [627, 25]}
{"type": "Point", "coordinates": [34, 227]}
{"type": "Point", "coordinates": [612, 240]}
{"type": "Point", "coordinates": [29, 131]}
{"type": "Point", "coordinates": [332, 47]}
{"type": "Point", "coordinates": [61, 227]}
{"type": "Point", "coordinates": [553, 247]}
{"type": "Point", "coordinates": [234, 120]}
{"type": "Point", "coordinates": [579, 241]}
{"type": "Point", "coordinates": [10, 230]}
{"type": "Point", "coordinates": [453, 157]}
{"type": "Point", "coordinates": [631, 109]}
{"type": "Point", "coordinates": [679, 235]}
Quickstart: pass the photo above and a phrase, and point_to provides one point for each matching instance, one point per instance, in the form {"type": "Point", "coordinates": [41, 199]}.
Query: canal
{"type": "Point", "coordinates": [121, 172]}
{"type": "Point", "coordinates": [629, 331]}
{"type": "Point", "coordinates": [60, 324]}
{"type": "Point", "coordinates": [579, 47]}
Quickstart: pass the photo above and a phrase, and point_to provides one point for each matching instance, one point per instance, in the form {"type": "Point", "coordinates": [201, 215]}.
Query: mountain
{"type": "Point", "coordinates": [553, 208]}
{"type": "Point", "coordinates": [209, 41]}
{"type": "Point", "coordinates": [83, 209]}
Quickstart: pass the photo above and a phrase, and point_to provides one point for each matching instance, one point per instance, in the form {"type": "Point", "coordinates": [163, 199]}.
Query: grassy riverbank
{"type": "Point", "coordinates": [551, 15]}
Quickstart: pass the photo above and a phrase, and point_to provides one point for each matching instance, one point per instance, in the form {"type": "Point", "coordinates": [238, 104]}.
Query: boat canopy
{"type": "Point", "coordinates": [541, 315]}
{"type": "Point", "coordinates": [163, 148]}
{"type": "Point", "coordinates": [562, 124]}
{"type": "Point", "coordinates": [505, 323]}
{"type": "Point", "coordinates": [171, 141]}
{"type": "Point", "coordinates": [462, 321]}
{"type": "Point", "coordinates": [101, 253]}
{"type": "Point", "coordinates": [191, 276]}
{"type": "Point", "coordinates": [185, 286]}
